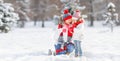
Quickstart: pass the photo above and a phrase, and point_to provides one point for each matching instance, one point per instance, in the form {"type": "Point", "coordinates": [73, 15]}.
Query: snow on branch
{"type": "Point", "coordinates": [7, 13]}
{"type": "Point", "coordinates": [111, 5]}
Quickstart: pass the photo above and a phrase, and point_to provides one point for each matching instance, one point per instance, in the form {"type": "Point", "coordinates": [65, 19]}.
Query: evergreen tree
{"type": "Point", "coordinates": [7, 16]}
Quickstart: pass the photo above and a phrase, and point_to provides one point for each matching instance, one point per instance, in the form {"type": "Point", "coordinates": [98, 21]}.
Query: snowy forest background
{"type": "Point", "coordinates": [32, 34]}
{"type": "Point", "coordinates": [43, 10]}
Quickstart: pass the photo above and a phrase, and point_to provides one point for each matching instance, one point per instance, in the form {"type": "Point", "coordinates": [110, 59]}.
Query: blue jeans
{"type": "Point", "coordinates": [61, 40]}
{"type": "Point", "coordinates": [70, 47]}
{"type": "Point", "coordinates": [78, 50]}
{"type": "Point", "coordinates": [58, 46]}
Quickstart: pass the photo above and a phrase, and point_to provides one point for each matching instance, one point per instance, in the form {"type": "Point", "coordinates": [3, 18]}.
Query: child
{"type": "Point", "coordinates": [68, 30]}
{"type": "Point", "coordinates": [78, 35]}
{"type": "Point", "coordinates": [69, 25]}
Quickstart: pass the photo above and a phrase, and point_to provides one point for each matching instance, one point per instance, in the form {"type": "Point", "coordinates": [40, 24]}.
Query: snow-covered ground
{"type": "Point", "coordinates": [32, 44]}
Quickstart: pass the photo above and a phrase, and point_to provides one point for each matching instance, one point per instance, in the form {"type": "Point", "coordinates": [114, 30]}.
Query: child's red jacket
{"type": "Point", "coordinates": [70, 28]}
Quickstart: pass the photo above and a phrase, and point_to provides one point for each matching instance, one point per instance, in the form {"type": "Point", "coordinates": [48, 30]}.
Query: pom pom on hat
{"type": "Point", "coordinates": [66, 11]}
{"type": "Point", "coordinates": [77, 10]}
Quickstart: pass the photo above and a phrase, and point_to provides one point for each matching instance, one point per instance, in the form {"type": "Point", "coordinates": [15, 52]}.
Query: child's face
{"type": "Point", "coordinates": [69, 21]}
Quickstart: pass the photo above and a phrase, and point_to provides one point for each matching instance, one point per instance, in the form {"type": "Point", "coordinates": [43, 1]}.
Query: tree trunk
{"type": "Point", "coordinates": [43, 23]}
{"type": "Point", "coordinates": [91, 20]}
{"type": "Point", "coordinates": [92, 14]}
{"type": "Point", "coordinates": [35, 22]}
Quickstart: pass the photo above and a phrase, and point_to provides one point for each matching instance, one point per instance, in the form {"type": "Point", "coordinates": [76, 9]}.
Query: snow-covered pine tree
{"type": "Point", "coordinates": [7, 16]}
{"type": "Point", "coordinates": [111, 16]}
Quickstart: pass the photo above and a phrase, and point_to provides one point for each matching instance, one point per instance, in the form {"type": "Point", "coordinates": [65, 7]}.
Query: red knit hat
{"type": "Point", "coordinates": [67, 17]}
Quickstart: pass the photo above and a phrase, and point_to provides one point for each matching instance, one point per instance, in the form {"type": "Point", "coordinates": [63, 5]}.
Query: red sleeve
{"type": "Point", "coordinates": [59, 50]}
{"type": "Point", "coordinates": [60, 26]}
{"type": "Point", "coordinates": [77, 23]}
